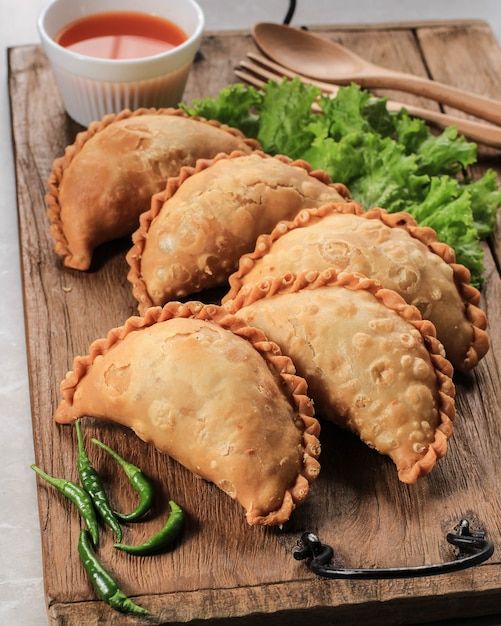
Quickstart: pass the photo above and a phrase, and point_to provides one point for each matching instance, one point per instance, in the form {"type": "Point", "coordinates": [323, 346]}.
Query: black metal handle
{"type": "Point", "coordinates": [319, 555]}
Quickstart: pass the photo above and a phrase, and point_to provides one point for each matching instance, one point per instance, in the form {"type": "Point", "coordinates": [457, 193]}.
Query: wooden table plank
{"type": "Point", "coordinates": [327, 603]}
{"type": "Point", "coordinates": [397, 50]}
{"type": "Point", "coordinates": [223, 568]}
{"type": "Point", "coordinates": [468, 57]}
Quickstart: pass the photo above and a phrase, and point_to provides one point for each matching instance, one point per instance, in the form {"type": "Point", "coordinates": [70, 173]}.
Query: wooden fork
{"type": "Point", "coordinates": [257, 70]}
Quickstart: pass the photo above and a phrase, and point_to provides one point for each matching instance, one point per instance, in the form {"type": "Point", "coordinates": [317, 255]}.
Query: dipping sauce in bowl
{"type": "Point", "coordinates": [143, 60]}
{"type": "Point", "coordinates": [121, 35]}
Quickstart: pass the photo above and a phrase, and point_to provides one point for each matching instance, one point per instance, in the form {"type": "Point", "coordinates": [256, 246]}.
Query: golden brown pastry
{"type": "Point", "coordinates": [388, 247]}
{"type": "Point", "coordinates": [371, 363]}
{"type": "Point", "coordinates": [211, 392]}
{"type": "Point", "coordinates": [105, 180]}
{"type": "Point", "coordinates": [197, 229]}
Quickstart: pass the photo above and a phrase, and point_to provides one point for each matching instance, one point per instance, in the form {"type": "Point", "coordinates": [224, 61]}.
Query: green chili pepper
{"type": "Point", "coordinates": [104, 585]}
{"type": "Point", "coordinates": [138, 481]}
{"type": "Point", "coordinates": [162, 538]}
{"type": "Point", "coordinates": [78, 496]}
{"type": "Point", "coordinates": [93, 485]}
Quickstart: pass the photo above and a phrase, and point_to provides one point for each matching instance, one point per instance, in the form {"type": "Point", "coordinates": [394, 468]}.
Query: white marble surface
{"type": "Point", "coordinates": [21, 584]}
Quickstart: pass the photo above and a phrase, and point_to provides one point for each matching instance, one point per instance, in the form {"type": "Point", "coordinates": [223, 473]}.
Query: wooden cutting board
{"type": "Point", "coordinates": [224, 571]}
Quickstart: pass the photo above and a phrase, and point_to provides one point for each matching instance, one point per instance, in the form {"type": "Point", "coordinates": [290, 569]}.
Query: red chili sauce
{"type": "Point", "coordinates": [121, 35]}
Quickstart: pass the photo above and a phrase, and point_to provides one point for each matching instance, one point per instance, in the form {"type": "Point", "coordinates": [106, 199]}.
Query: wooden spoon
{"type": "Point", "coordinates": [329, 61]}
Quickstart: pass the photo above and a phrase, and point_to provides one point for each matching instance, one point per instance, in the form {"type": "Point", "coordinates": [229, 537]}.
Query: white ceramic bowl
{"type": "Point", "coordinates": [92, 87]}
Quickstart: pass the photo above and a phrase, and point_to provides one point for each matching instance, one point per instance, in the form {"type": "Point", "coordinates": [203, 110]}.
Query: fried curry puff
{"type": "Point", "coordinates": [105, 180]}
{"type": "Point", "coordinates": [372, 364]}
{"type": "Point", "coordinates": [209, 216]}
{"type": "Point", "coordinates": [211, 392]}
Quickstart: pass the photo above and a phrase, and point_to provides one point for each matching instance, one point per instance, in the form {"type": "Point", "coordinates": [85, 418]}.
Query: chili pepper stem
{"type": "Point", "coordinates": [129, 468]}
{"type": "Point", "coordinates": [55, 482]}
{"type": "Point", "coordinates": [80, 441]}
{"type": "Point", "coordinates": [78, 496]}
{"type": "Point", "coordinates": [138, 481]}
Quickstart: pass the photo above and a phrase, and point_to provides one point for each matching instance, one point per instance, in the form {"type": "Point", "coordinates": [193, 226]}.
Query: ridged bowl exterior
{"type": "Point", "coordinates": [86, 100]}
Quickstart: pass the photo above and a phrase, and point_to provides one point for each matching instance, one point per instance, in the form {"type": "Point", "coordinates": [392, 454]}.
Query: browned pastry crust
{"type": "Point", "coordinates": [293, 386]}
{"type": "Point", "coordinates": [80, 259]}
{"type": "Point", "coordinates": [140, 237]}
{"type": "Point", "coordinates": [312, 280]}
{"type": "Point", "coordinates": [470, 296]}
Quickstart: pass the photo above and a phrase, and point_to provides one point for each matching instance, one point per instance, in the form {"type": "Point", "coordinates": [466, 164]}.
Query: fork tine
{"type": "Point", "coordinates": [249, 78]}
{"type": "Point", "coordinates": [270, 65]}
{"type": "Point", "coordinates": [257, 82]}
{"type": "Point", "coordinates": [260, 71]}
{"type": "Point", "coordinates": [283, 71]}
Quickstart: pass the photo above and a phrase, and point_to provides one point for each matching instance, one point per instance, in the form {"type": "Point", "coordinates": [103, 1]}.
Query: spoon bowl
{"type": "Point", "coordinates": [317, 57]}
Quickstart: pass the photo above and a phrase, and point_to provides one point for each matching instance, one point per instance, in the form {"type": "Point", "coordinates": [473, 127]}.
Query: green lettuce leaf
{"type": "Point", "coordinates": [485, 200]}
{"type": "Point", "coordinates": [344, 114]}
{"type": "Point", "coordinates": [285, 117]}
{"type": "Point", "coordinates": [447, 208]}
{"type": "Point", "coordinates": [390, 178]}
{"type": "Point", "coordinates": [410, 132]}
{"type": "Point", "coordinates": [356, 110]}
{"type": "Point", "coordinates": [342, 160]}
{"type": "Point", "coordinates": [446, 153]}
{"type": "Point", "coordinates": [236, 105]}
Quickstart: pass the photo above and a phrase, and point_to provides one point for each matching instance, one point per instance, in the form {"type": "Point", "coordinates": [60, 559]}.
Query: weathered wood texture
{"type": "Point", "coordinates": [223, 569]}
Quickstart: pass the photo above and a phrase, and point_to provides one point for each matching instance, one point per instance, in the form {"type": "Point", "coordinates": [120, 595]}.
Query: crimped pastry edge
{"type": "Point", "coordinates": [292, 283]}
{"type": "Point", "coordinates": [281, 364]}
{"type": "Point", "coordinates": [426, 235]}
{"type": "Point", "coordinates": [60, 164]}
{"type": "Point", "coordinates": [139, 238]}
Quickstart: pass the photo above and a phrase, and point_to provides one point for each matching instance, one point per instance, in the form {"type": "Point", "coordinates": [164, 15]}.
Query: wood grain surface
{"type": "Point", "coordinates": [224, 571]}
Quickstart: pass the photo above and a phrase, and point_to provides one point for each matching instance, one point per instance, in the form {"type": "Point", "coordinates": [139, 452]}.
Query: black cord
{"type": "Point", "coordinates": [290, 13]}
{"type": "Point", "coordinates": [319, 555]}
